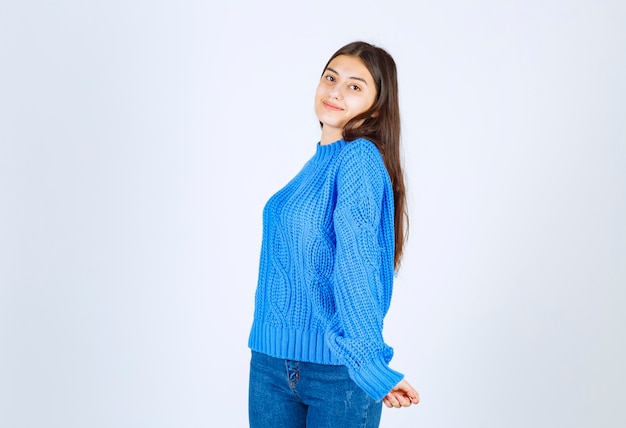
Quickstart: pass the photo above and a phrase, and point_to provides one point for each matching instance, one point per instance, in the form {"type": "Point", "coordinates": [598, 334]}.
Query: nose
{"type": "Point", "coordinates": [335, 92]}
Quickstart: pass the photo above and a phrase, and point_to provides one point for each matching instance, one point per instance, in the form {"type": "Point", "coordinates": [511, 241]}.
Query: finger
{"type": "Point", "coordinates": [415, 397]}
{"type": "Point", "coordinates": [411, 394]}
{"type": "Point", "coordinates": [403, 400]}
{"type": "Point", "coordinates": [393, 400]}
{"type": "Point", "coordinates": [387, 403]}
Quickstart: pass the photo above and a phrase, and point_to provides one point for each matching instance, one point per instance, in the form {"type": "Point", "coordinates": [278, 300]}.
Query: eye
{"type": "Point", "coordinates": [354, 87]}
{"type": "Point", "coordinates": [329, 77]}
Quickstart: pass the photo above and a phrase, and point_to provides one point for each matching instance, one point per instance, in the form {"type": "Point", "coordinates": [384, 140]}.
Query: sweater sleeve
{"type": "Point", "coordinates": [363, 271]}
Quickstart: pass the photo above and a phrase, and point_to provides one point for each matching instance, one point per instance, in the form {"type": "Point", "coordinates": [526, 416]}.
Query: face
{"type": "Point", "coordinates": [346, 90]}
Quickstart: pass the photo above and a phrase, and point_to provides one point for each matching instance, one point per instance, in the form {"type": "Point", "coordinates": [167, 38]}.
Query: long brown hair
{"type": "Point", "coordinates": [381, 125]}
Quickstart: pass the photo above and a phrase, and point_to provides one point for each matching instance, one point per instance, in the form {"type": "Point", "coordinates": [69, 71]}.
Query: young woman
{"type": "Point", "coordinates": [332, 238]}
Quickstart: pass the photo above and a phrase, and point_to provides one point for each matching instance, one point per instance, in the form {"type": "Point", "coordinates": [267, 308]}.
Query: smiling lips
{"type": "Point", "coordinates": [331, 106]}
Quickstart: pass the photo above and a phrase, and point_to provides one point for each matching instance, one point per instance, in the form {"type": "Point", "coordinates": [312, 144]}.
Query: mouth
{"type": "Point", "coordinates": [331, 106]}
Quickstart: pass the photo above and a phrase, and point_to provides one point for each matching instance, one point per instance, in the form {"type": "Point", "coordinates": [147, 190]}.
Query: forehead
{"type": "Point", "coordinates": [350, 66]}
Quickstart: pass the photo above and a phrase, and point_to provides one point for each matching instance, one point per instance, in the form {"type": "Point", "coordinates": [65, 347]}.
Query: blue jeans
{"type": "Point", "coordinates": [293, 394]}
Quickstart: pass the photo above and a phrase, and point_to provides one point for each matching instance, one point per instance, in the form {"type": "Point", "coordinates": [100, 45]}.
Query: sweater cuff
{"type": "Point", "coordinates": [376, 378]}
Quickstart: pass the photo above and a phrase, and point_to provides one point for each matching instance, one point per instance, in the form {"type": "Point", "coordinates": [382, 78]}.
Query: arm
{"type": "Point", "coordinates": [363, 271]}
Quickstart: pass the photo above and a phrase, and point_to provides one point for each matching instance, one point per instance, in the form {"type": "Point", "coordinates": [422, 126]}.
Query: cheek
{"type": "Point", "coordinates": [364, 105]}
{"type": "Point", "coordinates": [319, 91]}
{"type": "Point", "coordinates": [369, 103]}
{"type": "Point", "coordinates": [318, 95]}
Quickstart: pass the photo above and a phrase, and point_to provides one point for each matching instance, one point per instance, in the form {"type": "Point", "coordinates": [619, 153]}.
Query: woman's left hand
{"type": "Point", "coordinates": [402, 395]}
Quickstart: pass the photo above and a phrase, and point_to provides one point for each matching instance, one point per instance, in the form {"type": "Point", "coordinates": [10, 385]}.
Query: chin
{"type": "Point", "coordinates": [331, 121]}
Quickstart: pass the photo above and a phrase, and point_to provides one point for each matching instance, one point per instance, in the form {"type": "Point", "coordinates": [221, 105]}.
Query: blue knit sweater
{"type": "Point", "coordinates": [326, 268]}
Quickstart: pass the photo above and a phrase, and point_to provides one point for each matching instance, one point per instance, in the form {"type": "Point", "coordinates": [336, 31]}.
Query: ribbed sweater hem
{"type": "Point", "coordinates": [376, 378]}
{"type": "Point", "coordinates": [290, 344]}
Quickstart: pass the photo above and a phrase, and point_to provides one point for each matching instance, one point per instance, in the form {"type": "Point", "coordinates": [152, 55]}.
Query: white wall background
{"type": "Point", "coordinates": [139, 141]}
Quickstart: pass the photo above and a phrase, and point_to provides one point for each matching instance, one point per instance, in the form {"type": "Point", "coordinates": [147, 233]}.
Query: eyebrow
{"type": "Point", "coordinates": [352, 77]}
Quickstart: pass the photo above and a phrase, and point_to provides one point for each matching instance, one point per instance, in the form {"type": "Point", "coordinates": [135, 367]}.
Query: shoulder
{"type": "Point", "coordinates": [361, 153]}
{"type": "Point", "coordinates": [361, 167]}
{"type": "Point", "coordinates": [361, 146]}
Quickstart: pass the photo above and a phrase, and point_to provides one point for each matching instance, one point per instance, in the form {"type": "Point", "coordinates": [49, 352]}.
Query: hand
{"type": "Point", "coordinates": [402, 395]}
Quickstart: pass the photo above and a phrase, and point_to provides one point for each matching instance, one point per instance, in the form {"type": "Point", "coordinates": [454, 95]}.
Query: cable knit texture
{"type": "Point", "coordinates": [326, 268]}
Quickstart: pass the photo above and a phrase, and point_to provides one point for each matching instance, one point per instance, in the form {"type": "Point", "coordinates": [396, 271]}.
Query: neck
{"type": "Point", "coordinates": [330, 135]}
